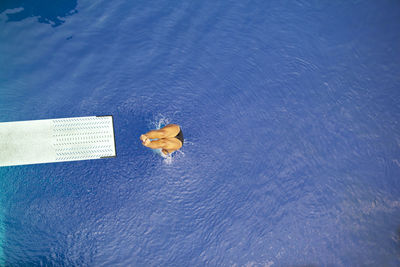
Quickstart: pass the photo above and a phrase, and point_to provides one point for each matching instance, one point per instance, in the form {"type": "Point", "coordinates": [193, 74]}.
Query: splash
{"type": "Point", "coordinates": [159, 122]}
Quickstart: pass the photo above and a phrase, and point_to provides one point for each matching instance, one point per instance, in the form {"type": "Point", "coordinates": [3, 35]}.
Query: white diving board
{"type": "Point", "coordinates": [56, 140]}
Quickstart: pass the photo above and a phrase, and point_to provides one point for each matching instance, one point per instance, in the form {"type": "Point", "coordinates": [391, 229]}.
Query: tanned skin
{"type": "Point", "coordinates": [164, 139]}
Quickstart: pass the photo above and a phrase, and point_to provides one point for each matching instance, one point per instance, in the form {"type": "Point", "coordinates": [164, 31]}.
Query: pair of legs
{"type": "Point", "coordinates": [165, 138]}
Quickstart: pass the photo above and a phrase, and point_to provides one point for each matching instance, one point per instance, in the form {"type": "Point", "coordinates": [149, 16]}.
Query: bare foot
{"type": "Point", "coordinates": [145, 140]}
{"type": "Point", "coordinates": [143, 137]}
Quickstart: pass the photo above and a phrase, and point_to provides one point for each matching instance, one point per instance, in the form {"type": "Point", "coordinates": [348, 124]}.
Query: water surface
{"type": "Point", "coordinates": [290, 113]}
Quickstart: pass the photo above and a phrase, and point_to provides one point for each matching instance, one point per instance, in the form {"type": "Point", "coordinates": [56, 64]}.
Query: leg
{"type": "Point", "coordinates": [170, 130]}
{"type": "Point", "coordinates": [168, 144]}
{"type": "Point", "coordinates": [155, 144]}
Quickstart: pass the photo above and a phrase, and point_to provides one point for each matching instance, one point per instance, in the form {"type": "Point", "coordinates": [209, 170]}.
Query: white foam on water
{"type": "Point", "coordinates": [159, 122]}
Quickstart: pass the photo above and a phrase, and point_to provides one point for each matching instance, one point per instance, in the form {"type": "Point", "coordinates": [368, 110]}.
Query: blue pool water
{"type": "Point", "coordinates": [290, 112]}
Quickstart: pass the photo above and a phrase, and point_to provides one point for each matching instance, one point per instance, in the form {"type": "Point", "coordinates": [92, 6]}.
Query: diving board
{"type": "Point", "coordinates": [56, 140]}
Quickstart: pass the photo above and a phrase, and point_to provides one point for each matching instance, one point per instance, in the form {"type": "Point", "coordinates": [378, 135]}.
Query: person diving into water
{"type": "Point", "coordinates": [169, 138]}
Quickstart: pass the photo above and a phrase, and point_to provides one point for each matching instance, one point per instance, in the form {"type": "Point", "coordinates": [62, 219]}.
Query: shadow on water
{"type": "Point", "coordinates": [397, 238]}
{"type": "Point", "coordinates": [47, 11]}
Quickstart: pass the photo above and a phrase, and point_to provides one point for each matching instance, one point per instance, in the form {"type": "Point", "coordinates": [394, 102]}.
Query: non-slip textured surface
{"type": "Point", "coordinates": [56, 140]}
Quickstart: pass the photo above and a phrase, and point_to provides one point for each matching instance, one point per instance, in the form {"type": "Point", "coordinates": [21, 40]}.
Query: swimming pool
{"type": "Point", "coordinates": [290, 114]}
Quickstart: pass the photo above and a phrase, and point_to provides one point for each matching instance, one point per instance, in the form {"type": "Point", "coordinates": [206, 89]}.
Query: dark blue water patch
{"type": "Point", "coordinates": [50, 12]}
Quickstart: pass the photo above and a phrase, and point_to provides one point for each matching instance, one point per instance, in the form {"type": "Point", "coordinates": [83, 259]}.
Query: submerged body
{"type": "Point", "coordinates": [168, 138]}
